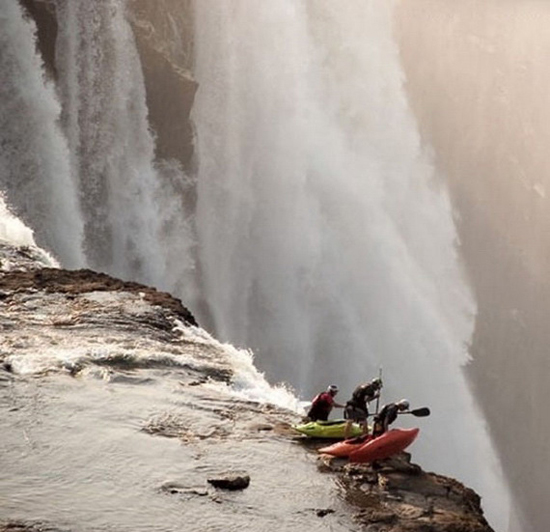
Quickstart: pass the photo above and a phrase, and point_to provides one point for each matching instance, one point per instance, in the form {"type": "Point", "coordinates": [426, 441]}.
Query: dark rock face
{"type": "Point", "coordinates": [164, 38]}
{"type": "Point", "coordinates": [43, 13]}
{"type": "Point", "coordinates": [395, 495]}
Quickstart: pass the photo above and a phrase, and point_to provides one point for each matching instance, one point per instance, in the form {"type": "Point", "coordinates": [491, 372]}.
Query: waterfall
{"type": "Point", "coordinates": [83, 173]}
{"type": "Point", "coordinates": [323, 236]}
{"type": "Point", "coordinates": [35, 173]}
{"type": "Point", "coordinates": [326, 237]}
{"type": "Point", "coordinates": [134, 225]}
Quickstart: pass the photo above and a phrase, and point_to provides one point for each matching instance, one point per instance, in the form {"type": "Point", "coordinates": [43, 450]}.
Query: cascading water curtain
{"type": "Point", "coordinates": [326, 238]}
{"type": "Point", "coordinates": [35, 172]}
{"type": "Point", "coordinates": [78, 160]}
{"type": "Point", "coordinates": [112, 151]}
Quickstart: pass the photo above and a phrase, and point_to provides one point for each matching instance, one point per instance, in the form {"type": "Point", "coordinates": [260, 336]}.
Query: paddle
{"type": "Point", "coordinates": [418, 412]}
{"type": "Point", "coordinates": [380, 390]}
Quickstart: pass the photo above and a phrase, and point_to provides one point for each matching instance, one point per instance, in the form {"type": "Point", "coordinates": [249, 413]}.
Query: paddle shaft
{"type": "Point", "coordinates": [418, 412]}
{"type": "Point", "coordinates": [378, 398]}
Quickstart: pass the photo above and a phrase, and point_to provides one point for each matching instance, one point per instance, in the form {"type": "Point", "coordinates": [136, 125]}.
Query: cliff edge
{"type": "Point", "coordinates": [80, 337]}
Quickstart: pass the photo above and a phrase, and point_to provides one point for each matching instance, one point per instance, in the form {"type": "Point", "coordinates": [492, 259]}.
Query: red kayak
{"type": "Point", "coordinates": [346, 447]}
{"type": "Point", "coordinates": [384, 446]}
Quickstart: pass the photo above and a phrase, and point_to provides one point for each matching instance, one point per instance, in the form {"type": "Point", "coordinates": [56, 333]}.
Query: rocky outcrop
{"type": "Point", "coordinates": [54, 280]}
{"type": "Point", "coordinates": [76, 325]}
{"type": "Point", "coordinates": [396, 495]}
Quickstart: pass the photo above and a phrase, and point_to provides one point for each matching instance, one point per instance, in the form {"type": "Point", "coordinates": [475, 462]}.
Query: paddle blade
{"type": "Point", "coordinates": [420, 412]}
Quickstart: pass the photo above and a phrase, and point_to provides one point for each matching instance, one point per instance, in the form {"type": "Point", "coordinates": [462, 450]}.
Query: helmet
{"type": "Point", "coordinates": [332, 388]}
{"type": "Point", "coordinates": [403, 404]}
{"type": "Point", "coordinates": [377, 382]}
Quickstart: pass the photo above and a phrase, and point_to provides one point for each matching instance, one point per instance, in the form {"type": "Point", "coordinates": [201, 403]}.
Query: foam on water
{"type": "Point", "coordinates": [50, 347]}
{"type": "Point", "coordinates": [15, 233]}
{"type": "Point", "coordinates": [12, 229]}
{"type": "Point", "coordinates": [248, 382]}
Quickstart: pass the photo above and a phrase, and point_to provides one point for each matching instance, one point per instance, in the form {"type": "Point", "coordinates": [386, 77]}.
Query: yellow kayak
{"type": "Point", "coordinates": [327, 429]}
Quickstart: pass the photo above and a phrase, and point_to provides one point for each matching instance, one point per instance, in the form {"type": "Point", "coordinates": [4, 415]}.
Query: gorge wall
{"type": "Point", "coordinates": [476, 76]}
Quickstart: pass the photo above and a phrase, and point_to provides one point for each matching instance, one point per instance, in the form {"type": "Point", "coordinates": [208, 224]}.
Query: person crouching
{"type": "Point", "coordinates": [323, 404]}
{"type": "Point", "coordinates": [387, 416]}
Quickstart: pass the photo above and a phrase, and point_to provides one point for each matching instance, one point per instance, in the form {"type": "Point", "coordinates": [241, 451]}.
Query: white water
{"type": "Point", "coordinates": [327, 242]}
{"type": "Point", "coordinates": [134, 224]}
{"type": "Point", "coordinates": [13, 231]}
{"type": "Point", "coordinates": [54, 351]}
{"type": "Point", "coordinates": [127, 206]}
{"type": "Point", "coordinates": [34, 159]}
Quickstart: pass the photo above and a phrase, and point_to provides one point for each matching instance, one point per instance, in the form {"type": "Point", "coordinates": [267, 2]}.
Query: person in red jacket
{"type": "Point", "coordinates": [323, 403]}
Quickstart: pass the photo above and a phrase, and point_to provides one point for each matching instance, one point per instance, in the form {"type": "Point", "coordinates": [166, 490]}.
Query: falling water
{"type": "Point", "coordinates": [327, 240]}
{"type": "Point", "coordinates": [34, 159]}
{"type": "Point", "coordinates": [83, 174]}
{"type": "Point", "coordinates": [131, 206]}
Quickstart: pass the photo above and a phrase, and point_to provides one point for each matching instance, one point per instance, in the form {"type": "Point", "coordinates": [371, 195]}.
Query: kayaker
{"type": "Point", "coordinates": [387, 416]}
{"type": "Point", "coordinates": [357, 408]}
{"type": "Point", "coordinates": [323, 403]}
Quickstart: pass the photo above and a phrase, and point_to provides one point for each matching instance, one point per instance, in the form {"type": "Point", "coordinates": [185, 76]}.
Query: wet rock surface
{"type": "Point", "coordinates": [230, 481]}
{"type": "Point", "coordinates": [54, 280]}
{"type": "Point", "coordinates": [125, 390]}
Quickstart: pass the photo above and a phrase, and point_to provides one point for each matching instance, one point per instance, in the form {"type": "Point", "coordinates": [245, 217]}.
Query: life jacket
{"type": "Point", "coordinates": [361, 394]}
{"type": "Point", "coordinates": [319, 405]}
{"type": "Point", "coordinates": [319, 400]}
{"type": "Point", "coordinates": [389, 413]}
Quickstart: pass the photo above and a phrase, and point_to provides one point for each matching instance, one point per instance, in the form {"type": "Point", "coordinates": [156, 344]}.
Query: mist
{"type": "Point", "coordinates": [476, 76]}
